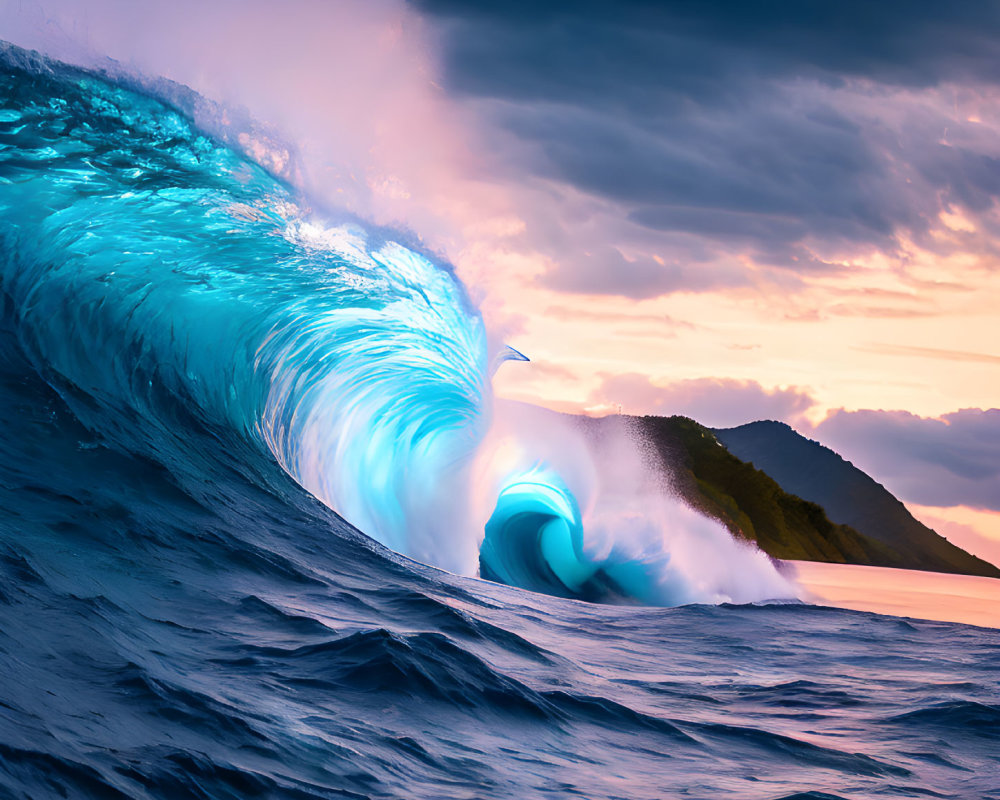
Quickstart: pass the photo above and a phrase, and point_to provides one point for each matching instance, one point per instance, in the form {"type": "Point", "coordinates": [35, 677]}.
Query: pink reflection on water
{"type": "Point", "coordinates": [901, 592]}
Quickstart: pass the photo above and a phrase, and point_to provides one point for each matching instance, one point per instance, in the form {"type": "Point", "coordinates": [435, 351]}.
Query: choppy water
{"type": "Point", "coordinates": [179, 617]}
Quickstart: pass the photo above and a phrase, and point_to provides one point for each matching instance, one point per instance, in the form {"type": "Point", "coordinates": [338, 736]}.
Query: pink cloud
{"type": "Point", "coordinates": [716, 402]}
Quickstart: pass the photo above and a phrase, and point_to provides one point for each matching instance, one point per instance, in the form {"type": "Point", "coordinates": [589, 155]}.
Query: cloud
{"type": "Point", "coordinates": [716, 402]}
{"type": "Point", "coordinates": [782, 134]}
{"type": "Point", "coordinates": [764, 172]}
{"type": "Point", "coordinates": [947, 461]}
{"type": "Point", "coordinates": [570, 313]}
{"type": "Point", "coordinates": [912, 42]}
{"type": "Point", "coordinates": [930, 352]}
{"type": "Point", "coordinates": [608, 272]}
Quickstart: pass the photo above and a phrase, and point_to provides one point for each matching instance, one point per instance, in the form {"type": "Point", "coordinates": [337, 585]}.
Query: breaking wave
{"type": "Point", "coordinates": [149, 267]}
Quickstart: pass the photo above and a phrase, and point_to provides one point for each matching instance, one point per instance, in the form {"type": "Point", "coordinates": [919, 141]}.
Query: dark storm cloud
{"type": "Point", "coordinates": [589, 50]}
{"type": "Point", "coordinates": [972, 179]}
{"type": "Point", "coordinates": [765, 173]}
{"type": "Point", "coordinates": [723, 119]}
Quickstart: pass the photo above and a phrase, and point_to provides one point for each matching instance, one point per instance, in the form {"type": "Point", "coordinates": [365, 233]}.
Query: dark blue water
{"type": "Point", "coordinates": [180, 618]}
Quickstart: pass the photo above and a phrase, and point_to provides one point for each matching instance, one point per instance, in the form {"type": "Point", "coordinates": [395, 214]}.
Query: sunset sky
{"type": "Point", "coordinates": [732, 211]}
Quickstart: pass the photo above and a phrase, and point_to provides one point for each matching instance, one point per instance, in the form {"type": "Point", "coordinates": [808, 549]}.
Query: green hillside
{"type": "Point", "coordinates": [752, 504]}
{"type": "Point", "coordinates": [755, 506]}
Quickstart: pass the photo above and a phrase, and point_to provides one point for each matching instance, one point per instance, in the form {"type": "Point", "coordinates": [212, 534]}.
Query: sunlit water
{"type": "Point", "coordinates": [189, 358]}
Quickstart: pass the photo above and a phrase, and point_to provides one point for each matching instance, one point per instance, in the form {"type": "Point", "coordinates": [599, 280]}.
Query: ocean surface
{"type": "Point", "coordinates": [196, 370]}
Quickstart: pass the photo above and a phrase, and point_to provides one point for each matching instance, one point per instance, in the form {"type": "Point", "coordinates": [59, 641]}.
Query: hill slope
{"type": "Point", "coordinates": [758, 505]}
{"type": "Point", "coordinates": [749, 502]}
{"type": "Point", "coordinates": [849, 496]}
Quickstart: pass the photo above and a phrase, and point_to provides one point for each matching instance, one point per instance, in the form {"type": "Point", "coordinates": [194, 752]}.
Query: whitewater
{"type": "Point", "coordinates": [251, 466]}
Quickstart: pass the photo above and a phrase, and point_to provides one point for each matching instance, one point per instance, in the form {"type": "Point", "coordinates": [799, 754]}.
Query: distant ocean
{"type": "Point", "coordinates": [180, 617]}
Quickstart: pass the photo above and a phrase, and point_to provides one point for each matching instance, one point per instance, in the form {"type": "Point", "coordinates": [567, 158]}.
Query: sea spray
{"type": "Point", "coordinates": [596, 517]}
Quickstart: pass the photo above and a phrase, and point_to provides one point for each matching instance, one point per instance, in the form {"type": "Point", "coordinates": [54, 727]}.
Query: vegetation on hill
{"type": "Point", "coordinates": [752, 504]}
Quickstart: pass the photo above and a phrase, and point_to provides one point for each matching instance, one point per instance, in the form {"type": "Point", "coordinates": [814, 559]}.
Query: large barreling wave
{"type": "Point", "coordinates": [149, 267]}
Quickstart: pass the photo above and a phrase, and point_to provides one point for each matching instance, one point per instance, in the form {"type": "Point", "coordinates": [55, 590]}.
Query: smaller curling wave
{"type": "Point", "coordinates": [534, 537]}
{"type": "Point", "coordinates": [594, 518]}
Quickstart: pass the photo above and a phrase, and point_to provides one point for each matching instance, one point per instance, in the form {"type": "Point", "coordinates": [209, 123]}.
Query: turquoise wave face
{"type": "Point", "coordinates": [146, 263]}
